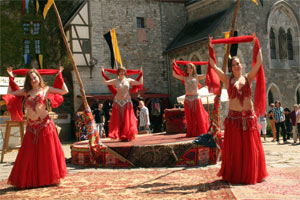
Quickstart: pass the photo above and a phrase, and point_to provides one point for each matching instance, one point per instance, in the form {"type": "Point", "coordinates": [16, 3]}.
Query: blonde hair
{"type": "Point", "coordinates": [193, 67]}
{"type": "Point", "coordinates": [120, 69]}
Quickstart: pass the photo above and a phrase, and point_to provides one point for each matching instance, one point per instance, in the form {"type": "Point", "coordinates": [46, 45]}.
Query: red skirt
{"type": "Point", "coordinates": [40, 160]}
{"type": "Point", "coordinates": [123, 122]}
{"type": "Point", "coordinates": [243, 158]}
{"type": "Point", "coordinates": [196, 116]}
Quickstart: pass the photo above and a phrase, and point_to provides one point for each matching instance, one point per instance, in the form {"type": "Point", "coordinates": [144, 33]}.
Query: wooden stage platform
{"type": "Point", "coordinates": [151, 150]}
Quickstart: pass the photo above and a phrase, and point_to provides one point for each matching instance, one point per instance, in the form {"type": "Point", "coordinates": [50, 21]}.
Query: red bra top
{"type": "Point", "coordinates": [240, 94]}
{"type": "Point", "coordinates": [33, 101]}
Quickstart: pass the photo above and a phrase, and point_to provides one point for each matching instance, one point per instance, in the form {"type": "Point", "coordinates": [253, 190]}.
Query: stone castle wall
{"type": "Point", "coordinates": [138, 46]}
{"type": "Point", "coordinates": [282, 75]}
{"type": "Point", "coordinates": [164, 20]}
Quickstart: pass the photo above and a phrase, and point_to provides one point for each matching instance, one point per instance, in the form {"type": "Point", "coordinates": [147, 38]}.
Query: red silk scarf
{"type": "Point", "coordinates": [260, 89]}
{"type": "Point", "coordinates": [23, 72]}
{"type": "Point", "coordinates": [180, 72]}
{"type": "Point", "coordinates": [134, 89]}
{"type": "Point", "coordinates": [14, 103]}
{"type": "Point", "coordinates": [212, 79]}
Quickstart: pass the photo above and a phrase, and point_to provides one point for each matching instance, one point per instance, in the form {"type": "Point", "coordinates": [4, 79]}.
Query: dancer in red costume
{"type": "Point", "coordinates": [195, 113]}
{"type": "Point", "coordinates": [41, 160]}
{"type": "Point", "coordinates": [123, 122]}
{"type": "Point", "coordinates": [243, 159]}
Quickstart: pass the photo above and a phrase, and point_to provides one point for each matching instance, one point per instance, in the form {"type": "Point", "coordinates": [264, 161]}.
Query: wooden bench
{"type": "Point", "coordinates": [9, 125]}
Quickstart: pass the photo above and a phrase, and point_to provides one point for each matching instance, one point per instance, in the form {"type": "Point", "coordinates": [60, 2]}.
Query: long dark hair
{"type": "Point", "coordinates": [27, 84]}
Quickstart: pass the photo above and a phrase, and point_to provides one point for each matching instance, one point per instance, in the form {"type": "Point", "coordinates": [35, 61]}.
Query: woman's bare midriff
{"type": "Point", "coordinates": [39, 113]}
{"type": "Point", "coordinates": [122, 97]}
{"type": "Point", "coordinates": [234, 104]}
{"type": "Point", "coordinates": [191, 93]}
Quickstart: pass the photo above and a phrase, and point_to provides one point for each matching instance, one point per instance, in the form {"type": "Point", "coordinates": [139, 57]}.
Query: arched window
{"type": "Point", "coordinates": [282, 41]}
{"type": "Point", "coordinates": [290, 45]}
{"type": "Point", "coordinates": [272, 44]}
{"type": "Point", "coordinates": [270, 97]}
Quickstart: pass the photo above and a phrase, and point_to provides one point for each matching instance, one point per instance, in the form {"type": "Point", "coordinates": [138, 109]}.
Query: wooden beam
{"type": "Point", "coordinates": [86, 106]}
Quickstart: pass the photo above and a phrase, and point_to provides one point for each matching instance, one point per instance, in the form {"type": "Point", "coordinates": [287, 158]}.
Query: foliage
{"type": "Point", "coordinates": [12, 35]}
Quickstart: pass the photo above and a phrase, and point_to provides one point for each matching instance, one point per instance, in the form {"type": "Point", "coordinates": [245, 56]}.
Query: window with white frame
{"type": "Point", "coordinates": [37, 46]}
{"type": "Point", "coordinates": [26, 46]}
{"type": "Point", "coordinates": [36, 28]}
{"type": "Point", "coordinates": [26, 28]}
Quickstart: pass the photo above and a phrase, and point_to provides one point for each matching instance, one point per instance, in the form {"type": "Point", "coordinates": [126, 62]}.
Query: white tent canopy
{"type": "Point", "coordinates": [206, 97]}
{"type": "Point", "coordinates": [4, 82]}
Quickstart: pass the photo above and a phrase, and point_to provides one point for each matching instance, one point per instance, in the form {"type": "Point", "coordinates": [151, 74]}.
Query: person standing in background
{"type": "Point", "coordinates": [144, 120]}
{"type": "Point", "coordinates": [294, 124]}
{"type": "Point", "coordinates": [272, 122]}
{"type": "Point", "coordinates": [278, 115]}
{"type": "Point", "coordinates": [288, 125]}
{"type": "Point", "coordinates": [263, 128]}
{"type": "Point", "coordinates": [298, 121]}
{"type": "Point", "coordinates": [99, 119]}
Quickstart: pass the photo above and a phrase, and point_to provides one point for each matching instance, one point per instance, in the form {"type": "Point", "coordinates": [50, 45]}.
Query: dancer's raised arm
{"type": "Point", "coordinates": [109, 82]}
{"type": "Point", "coordinates": [174, 74]}
{"type": "Point", "coordinates": [63, 90]}
{"type": "Point", "coordinates": [201, 77]}
{"type": "Point", "coordinates": [223, 77]}
{"type": "Point", "coordinates": [9, 90]}
{"type": "Point", "coordinates": [134, 82]}
{"type": "Point", "coordinates": [251, 75]}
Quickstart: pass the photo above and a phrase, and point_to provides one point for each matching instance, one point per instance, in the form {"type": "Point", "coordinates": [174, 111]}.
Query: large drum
{"type": "Point", "coordinates": [175, 120]}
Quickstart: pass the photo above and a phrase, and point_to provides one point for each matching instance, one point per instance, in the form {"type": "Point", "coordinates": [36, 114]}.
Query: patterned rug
{"type": "Point", "coordinates": [174, 183]}
{"type": "Point", "coordinates": [282, 183]}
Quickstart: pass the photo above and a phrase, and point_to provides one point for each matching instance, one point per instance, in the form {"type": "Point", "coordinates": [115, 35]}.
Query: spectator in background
{"type": "Point", "coordinates": [263, 128]}
{"type": "Point", "coordinates": [294, 124]}
{"type": "Point", "coordinates": [99, 119]}
{"type": "Point", "coordinates": [298, 121]}
{"type": "Point", "coordinates": [279, 117]}
{"type": "Point", "coordinates": [272, 122]}
{"type": "Point", "coordinates": [144, 120]}
{"type": "Point", "coordinates": [107, 120]}
{"type": "Point", "coordinates": [287, 122]}
{"type": "Point", "coordinates": [95, 105]}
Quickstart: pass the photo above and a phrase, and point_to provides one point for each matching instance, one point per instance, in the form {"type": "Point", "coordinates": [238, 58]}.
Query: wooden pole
{"type": "Point", "coordinates": [208, 107]}
{"type": "Point", "coordinates": [86, 106]}
{"type": "Point", "coordinates": [225, 60]}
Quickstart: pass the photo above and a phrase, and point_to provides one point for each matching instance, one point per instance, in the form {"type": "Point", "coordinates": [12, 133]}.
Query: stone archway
{"type": "Point", "coordinates": [282, 13]}
{"type": "Point", "coordinates": [273, 94]}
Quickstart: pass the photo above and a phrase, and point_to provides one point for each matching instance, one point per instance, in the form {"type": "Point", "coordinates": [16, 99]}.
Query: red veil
{"type": "Point", "coordinates": [134, 89]}
{"type": "Point", "coordinates": [14, 103]}
{"type": "Point", "coordinates": [180, 72]}
{"type": "Point", "coordinates": [260, 89]}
